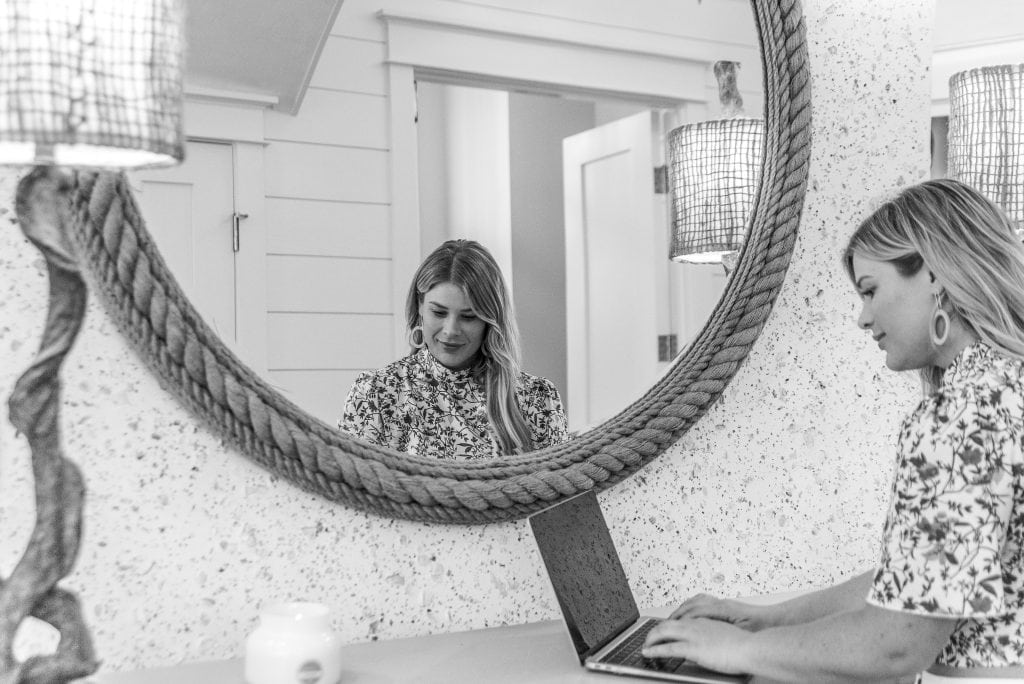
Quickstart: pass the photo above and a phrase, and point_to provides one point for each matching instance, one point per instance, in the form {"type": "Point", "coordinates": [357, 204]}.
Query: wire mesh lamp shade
{"type": "Point", "coordinates": [986, 134]}
{"type": "Point", "coordinates": [715, 168]}
{"type": "Point", "coordinates": [91, 83]}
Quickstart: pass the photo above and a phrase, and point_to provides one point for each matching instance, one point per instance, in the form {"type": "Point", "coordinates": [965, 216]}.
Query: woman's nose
{"type": "Point", "coordinates": [864, 320]}
{"type": "Point", "coordinates": [451, 327]}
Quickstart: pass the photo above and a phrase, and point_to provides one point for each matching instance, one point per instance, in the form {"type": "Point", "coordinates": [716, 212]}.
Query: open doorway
{"type": "Point", "coordinates": [491, 169]}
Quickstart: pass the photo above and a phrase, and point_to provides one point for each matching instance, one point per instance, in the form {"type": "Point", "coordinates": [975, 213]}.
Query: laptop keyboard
{"type": "Point", "coordinates": [629, 652]}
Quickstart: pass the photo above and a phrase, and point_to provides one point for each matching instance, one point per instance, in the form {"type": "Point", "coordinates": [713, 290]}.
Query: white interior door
{"type": "Point", "coordinates": [189, 210]}
{"type": "Point", "coordinates": [612, 257]}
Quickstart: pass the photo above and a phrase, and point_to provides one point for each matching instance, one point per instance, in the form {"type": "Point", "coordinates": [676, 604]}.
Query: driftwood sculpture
{"type": "Point", "coordinates": [43, 209]}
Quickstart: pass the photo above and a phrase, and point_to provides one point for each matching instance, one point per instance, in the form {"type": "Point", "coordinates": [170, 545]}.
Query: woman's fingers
{"type": "Point", "coordinates": [691, 604]}
{"type": "Point", "coordinates": [669, 639]}
{"type": "Point", "coordinates": [711, 643]}
{"type": "Point", "coordinates": [711, 607]}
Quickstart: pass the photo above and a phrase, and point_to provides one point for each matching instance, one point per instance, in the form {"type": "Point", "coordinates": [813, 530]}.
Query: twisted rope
{"type": "Point", "coordinates": [188, 357]}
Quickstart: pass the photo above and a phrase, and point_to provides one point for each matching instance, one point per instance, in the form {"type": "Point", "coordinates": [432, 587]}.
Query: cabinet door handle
{"type": "Point", "coordinates": [236, 220]}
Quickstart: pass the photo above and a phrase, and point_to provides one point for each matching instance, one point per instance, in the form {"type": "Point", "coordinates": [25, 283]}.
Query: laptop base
{"type": "Point", "coordinates": [687, 672]}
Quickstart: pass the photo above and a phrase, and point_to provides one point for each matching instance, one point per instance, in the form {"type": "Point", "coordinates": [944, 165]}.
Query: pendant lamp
{"type": "Point", "coordinates": [986, 134]}
{"type": "Point", "coordinates": [714, 171]}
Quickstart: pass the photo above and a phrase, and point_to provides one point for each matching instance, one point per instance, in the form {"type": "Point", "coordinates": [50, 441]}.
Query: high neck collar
{"type": "Point", "coordinates": [972, 357]}
{"type": "Point", "coordinates": [441, 371]}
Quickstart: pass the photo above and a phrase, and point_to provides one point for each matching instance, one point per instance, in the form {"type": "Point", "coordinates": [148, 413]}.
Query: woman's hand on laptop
{"type": "Point", "coordinates": [744, 615]}
{"type": "Point", "coordinates": [713, 644]}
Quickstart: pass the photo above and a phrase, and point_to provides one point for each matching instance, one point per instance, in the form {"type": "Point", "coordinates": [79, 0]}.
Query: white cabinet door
{"type": "Point", "coordinates": [188, 209]}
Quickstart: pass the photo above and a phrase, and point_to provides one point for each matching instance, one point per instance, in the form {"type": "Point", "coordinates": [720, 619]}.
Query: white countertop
{"type": "Point", "coordinates": [539, 653]}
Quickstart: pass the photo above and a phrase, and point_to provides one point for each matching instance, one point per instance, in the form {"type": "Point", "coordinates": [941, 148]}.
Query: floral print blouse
{"type": "Point", "coordinates": [952, 542]}
{"type": "Point", "coordinates": [419, 406]}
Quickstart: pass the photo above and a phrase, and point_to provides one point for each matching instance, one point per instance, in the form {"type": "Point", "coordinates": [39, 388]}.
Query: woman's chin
{"type": "Point", "coordinates": [897, 363]}
{"type": "Point", "coordinates": [457, 361]}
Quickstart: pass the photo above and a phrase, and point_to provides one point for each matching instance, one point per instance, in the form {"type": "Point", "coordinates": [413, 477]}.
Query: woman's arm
{"type": "Point", "coordinates": [848, 595]}
{"type": "Point", "coordinates": [863, 644]}
{"type": "Point", "coordinates": [544, 412]}
{"type": "Point", "coordinates": [363, 414]}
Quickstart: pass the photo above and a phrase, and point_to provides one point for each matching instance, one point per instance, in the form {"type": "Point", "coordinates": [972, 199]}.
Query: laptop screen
{"type": "Point", "coordinates": [585, 572]}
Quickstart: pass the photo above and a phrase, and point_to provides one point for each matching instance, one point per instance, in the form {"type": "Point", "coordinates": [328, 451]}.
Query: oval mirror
{"type": "Point", "coordinates": [197, 365]}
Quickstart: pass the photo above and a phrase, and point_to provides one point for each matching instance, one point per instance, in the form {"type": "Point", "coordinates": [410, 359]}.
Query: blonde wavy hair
{"type": "Point", "coordinates": [968, 243]}
{"type": "Point", "coordinates": [468, 265]}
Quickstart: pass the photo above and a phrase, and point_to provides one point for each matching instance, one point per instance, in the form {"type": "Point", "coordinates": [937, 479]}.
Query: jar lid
{"type": "Point", "coordinates": [296, 614]}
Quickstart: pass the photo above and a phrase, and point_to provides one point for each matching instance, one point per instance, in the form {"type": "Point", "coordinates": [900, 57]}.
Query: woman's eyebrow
{"type": "Point", "coordinates": [438, 305]}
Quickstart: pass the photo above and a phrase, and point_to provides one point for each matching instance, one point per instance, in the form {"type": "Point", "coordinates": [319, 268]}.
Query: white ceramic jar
{"type": "Point", "coordinates": [293, 644]}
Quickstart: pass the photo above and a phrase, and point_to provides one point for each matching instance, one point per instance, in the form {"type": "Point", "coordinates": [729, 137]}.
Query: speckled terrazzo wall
{"type": "Point", "coordinates": [782, 485]}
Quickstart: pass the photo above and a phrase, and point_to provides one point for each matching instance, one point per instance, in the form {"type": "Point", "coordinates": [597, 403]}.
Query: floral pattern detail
{"type": "Point", "coordinates": [953, 537]}
{"type": "Point", "coordinates": [419, 406]}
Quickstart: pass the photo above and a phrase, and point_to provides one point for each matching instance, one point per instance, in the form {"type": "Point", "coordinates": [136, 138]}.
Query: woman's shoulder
{"type": "Point", "coordinates": [535, 385]}
{"type": "Point", "coordinates": [405, 368]}
{"type": "Point", "coordinates": [983, 386]}
{"type": "Point", "coordinates": [982, 371]}
{"type": "Point", "coordinates": [1003, 369]}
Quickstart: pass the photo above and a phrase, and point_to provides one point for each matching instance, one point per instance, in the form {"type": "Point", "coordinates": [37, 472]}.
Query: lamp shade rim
{"type": "Point", "coordinates": [995, 70]}
{"type": "Point", "coordinates": [711, 256]}
{"type": "Point", "coordinates": [90, 156]}
{"type": "Point", "coordinates": [754, 123]}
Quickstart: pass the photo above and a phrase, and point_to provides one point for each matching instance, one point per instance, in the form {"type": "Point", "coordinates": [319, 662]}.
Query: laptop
{"type": "Point", "coordinates": [604, 623]}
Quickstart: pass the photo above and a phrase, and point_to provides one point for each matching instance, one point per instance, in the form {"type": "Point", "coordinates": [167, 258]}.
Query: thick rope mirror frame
{"type": "Point", "coordinates": [195, 365]}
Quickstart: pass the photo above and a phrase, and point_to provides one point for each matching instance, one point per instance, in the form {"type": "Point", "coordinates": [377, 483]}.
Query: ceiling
{"type": "Point", "coordinates": [977, 22]}
{"type": "Point", "coordinates": [264, 49]}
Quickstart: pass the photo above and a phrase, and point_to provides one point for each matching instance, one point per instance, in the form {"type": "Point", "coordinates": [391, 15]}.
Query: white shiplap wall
{"type": "Point", "coordinates": [328, 243]}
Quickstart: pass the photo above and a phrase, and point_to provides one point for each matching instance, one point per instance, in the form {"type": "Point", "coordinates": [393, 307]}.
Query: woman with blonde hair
{"type": "Point", "coordinates": [460, 393]}
{"type": "Point", "coordinates": [940, 272]}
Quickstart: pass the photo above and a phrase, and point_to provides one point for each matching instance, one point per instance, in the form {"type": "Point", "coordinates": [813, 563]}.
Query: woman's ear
{"type": "Point", "coordinates": [484, 351]}
{"type": "Point", "coordinates": [935, 287]}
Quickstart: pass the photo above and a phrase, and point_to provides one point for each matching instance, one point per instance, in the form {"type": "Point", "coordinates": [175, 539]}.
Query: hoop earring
{"type": "Point", "coordinates": [412, 337]}
{"type": "Point", "coordinates": [939, 318]}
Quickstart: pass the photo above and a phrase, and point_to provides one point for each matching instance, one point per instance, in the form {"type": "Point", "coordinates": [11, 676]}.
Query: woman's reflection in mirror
{"type": "Point", "coordinates": [940, 274]}
{"type": "Point", "coordinates": [460, 393]}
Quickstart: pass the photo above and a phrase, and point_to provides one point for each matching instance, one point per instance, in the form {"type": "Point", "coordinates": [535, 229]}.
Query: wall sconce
{"type": "Point", "coordinates": [986, 134]}
{"type": "Point", "coordinates": [714, 167]}
{"type": "Point", "coordinates": [83, 84]}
